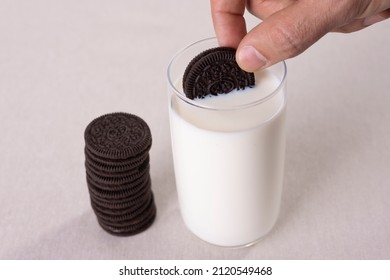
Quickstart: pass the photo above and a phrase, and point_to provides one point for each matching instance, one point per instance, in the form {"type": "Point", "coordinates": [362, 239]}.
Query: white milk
{"type": "Point", "coordinates": [229, 163]}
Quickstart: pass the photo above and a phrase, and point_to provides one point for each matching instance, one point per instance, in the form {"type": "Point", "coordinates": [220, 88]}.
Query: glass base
{"type": "Point", "coordinates": [246, 245]}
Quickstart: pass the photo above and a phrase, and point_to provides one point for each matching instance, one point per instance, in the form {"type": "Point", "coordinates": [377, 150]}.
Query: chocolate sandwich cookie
{"type": "Point", "coordinates": [124, 215]}
{"type": "Point", "coordinates": [121, 205]}
{"type": "Point", "coordinates": [119, 195]}
{"type": "Point", "coordinates": [131, 187]}
{"type": "Point", "coordinates": [116, 162]}
{"type": "Point", "coordinates": [115, 166]}
{"type": "Point", "coordinates": [121, 208]}
{"type": "Point", "coordinates": [215, 71]}
{"type": "Point", "coordinates": [129, 230]}
{"type": "Point", "coordinates": [118, 136]}
{"type": "Point", "coordinates": [119, 180]}
{"type": "Point", "coordinates": [129, 220]}
{"type": "Point", "coordinates": [140, 224]}
{"type": "Point", "coordinates": [117, 173]}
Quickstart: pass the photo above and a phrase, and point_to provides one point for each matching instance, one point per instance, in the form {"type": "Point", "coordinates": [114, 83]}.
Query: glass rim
{"type": "Point", "coordinates": [184, 98]}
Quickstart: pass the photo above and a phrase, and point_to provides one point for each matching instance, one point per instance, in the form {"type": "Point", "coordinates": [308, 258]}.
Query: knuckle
{"type": "Point", "coordinates": [289, 37]}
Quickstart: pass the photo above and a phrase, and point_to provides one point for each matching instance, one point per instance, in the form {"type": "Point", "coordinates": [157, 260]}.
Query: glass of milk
{"type": "Point", "coordinates": [228, 153]}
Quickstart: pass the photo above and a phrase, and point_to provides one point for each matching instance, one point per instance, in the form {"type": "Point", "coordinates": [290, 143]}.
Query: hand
{"type": "Point", "coordinates": [289, 26]}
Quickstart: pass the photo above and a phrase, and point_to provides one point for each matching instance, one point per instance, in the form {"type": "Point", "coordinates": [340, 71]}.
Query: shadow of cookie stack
{"type": "Point", "coordinates": [117, 166]}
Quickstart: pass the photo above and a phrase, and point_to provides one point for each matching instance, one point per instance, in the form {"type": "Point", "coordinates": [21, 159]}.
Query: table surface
{"type": "Point", "coordinates": [64, 63]}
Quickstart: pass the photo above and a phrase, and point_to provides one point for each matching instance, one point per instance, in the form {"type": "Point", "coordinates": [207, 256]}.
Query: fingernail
{"type": "Point", "coordinates": [373, 19]}
{"type": "Point", "coordinates": [250, 59]}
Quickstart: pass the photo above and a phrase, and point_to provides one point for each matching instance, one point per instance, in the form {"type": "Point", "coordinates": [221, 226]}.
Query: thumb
{"type": "Point", "coordinates": [283, 35]}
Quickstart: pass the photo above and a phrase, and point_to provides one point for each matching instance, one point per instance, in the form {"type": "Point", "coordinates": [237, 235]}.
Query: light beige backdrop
{"type": "Point", "coordinates": [63, 63]}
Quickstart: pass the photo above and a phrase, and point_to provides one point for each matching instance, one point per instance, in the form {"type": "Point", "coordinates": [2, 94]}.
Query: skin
{"type": "Point", "coordinates": [288, 27]}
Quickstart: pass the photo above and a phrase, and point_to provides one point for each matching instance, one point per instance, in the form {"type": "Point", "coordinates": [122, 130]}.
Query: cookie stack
{"type": "Point", "coordinates": [117, 165]}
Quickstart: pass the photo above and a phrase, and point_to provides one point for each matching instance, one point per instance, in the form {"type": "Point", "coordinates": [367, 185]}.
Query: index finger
{"type": "Point", "coordinates": [229, 22]}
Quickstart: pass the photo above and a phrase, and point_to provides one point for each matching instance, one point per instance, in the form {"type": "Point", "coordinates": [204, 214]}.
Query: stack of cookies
{"type": "Point", "coordinates": [117, 165]}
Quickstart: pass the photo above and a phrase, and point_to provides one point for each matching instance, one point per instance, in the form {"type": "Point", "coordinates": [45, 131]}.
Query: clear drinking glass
{"type": "Point", "coordinates": [228, 153]}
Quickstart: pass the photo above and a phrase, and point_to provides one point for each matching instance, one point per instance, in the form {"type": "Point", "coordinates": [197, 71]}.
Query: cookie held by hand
{"type": "Point", "coordinates": [215, 71]}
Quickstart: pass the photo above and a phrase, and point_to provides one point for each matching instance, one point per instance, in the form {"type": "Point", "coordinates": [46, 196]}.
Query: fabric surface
{"type": "Point", "coordinates": [64, 63]}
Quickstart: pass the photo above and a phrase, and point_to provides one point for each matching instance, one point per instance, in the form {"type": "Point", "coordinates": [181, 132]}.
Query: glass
{"type": "Point", "coordinates": [228, 154]}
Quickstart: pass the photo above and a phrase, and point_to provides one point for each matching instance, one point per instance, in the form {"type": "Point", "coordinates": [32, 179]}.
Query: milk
{"type": "Point", "coordinates": [229, 161]}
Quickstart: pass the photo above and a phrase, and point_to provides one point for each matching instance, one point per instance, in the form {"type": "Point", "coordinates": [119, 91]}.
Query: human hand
{"type": "Point", "coordinates": [289, 27]}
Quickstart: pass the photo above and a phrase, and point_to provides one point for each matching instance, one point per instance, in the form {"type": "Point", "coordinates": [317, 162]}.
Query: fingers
{"type": "Point", "coordinates": [228, 20]}
{"type": "Point", "coordinates": [289, 26]}
{"type": "Point", "coordinates": [377, 18]}
{"type": "Point", "coordinates": [359, 24]}
{"type": "Point", "coordinates": [264, 8]}
{"type": "Point", "coordinates": [283, 35]}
